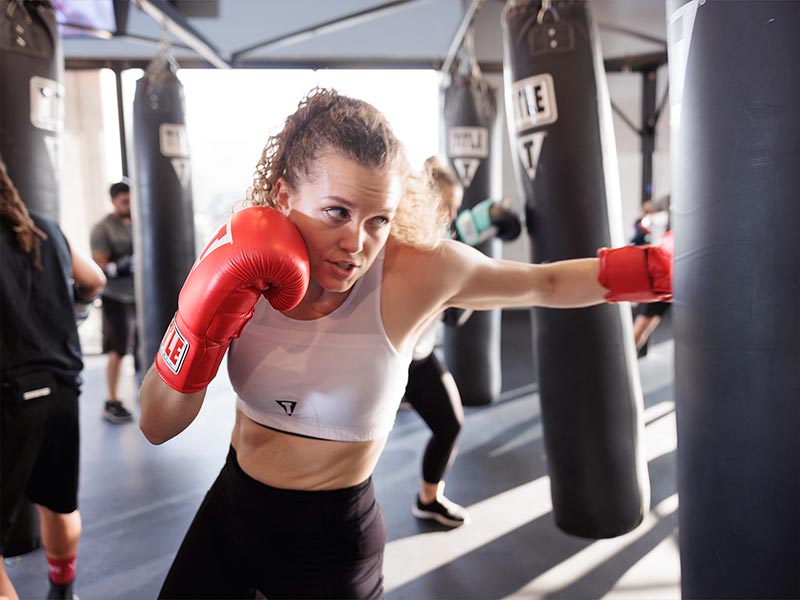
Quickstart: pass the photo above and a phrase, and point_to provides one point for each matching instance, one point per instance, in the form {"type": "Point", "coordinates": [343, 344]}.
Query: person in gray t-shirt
{"type": "Point", "coordinates": [112, 249]}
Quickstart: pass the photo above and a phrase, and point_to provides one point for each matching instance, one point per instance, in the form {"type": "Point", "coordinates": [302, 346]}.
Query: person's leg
{"type": "Point", "coordinates": [60, 532]}
{"type": "Point", "coordinates": [118, 327]}
{"type": "Point", "coordinates": [322, 544]}
{"type": "Point", "coordinates": [205, 565]}
{"type": "Point", "coordinates": [53, 488]}
{"type": "Point", "coordinates": [643, 327]}
{"type": "Point", "coordinates": [60, 535]}
{"type": "Point", "coordinates": [22, 431]}
{"type": "Point", "coordinates": [433, 393]}
{"type": "Point", "coordinates": [209, 564]}
{"type": "Point", "coordinates": [112, 375]}
{"type": "Point", "coordinates": [648, 317]}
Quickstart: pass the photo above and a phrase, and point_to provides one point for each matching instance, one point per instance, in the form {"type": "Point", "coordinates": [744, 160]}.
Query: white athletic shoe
{"type": "Point", "coordinates": [441, 510]}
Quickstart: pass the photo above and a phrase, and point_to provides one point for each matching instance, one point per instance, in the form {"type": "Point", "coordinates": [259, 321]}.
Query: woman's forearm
{"type": "Point", "coordinates": [164, 412]}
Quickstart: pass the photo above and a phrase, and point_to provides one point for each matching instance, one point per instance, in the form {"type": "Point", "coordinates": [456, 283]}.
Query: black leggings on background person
{"type": "Point", "coordinates": [249, 536]}
{"type": "Point", "coordinates": [432, 392]}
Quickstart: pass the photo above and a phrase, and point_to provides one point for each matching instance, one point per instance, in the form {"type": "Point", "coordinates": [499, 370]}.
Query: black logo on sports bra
{"type": "Point", "coordinates": [287, 406]}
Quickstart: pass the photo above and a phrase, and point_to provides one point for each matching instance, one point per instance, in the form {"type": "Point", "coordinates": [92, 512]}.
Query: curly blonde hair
{"type": "Point", "coordinates": [327, 121]}
{"type": "Point", "coordinates": [439, 175]}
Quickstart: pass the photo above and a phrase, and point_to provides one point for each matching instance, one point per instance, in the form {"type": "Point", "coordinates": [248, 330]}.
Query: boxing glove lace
{"type": "Point", "coordinates": [636, 273]}
{"type": "Point", "coordinates": [258, 252]}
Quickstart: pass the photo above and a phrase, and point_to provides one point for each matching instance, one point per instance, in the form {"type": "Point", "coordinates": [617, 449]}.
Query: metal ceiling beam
{"type": "Point", "coordinates": [638, 62]}
{"type": "Point", "coordinates": [458, 38]}
{"type": "Point", "coordinates": [177, 25]}
{"type": "Point", "coordinates": [133, 37]}
{"type": "Point", "coordinates": [327, 27]}
{"type": "Point", "coordinates": [100, 34]}
{"type": "Point", "coordinates": [399, 63]}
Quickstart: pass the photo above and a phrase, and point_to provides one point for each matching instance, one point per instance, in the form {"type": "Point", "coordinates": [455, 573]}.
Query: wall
{"type": "Point", "coordinates": [90, 155]}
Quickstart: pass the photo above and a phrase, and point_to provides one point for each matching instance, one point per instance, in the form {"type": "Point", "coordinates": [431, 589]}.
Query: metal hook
{"type": "Point", "coordinates": [547, 7]}
{"type": "Point", "coordinates": [472, 57]}
{"type": "Point", "coordinates": [164, 44]}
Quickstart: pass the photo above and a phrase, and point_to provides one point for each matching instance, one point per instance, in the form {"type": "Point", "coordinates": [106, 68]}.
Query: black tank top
{"type": "Point", "coordinates": [37, 320]}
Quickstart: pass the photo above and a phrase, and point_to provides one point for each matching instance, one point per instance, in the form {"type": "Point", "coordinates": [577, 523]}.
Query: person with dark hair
{"type": "Point", "coordinates": [321, 289]}
{"type": "Point", "coordinates": [41, 363]}
{"type": "Point", "coordinates": [112, 248]}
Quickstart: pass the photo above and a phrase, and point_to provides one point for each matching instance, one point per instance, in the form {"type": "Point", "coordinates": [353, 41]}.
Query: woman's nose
{"type": "Point", "coordinates": [353, 240]}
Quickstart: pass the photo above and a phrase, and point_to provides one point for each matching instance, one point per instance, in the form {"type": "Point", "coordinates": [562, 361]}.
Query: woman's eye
{"type": "Point", "coordinates": [380, 221]}
{"type": "Point", "coordinates": [338, 213]}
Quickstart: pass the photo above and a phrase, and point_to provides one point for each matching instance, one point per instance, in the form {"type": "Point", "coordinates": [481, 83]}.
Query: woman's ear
{"type": "Point", "coordinates": [282, 193]}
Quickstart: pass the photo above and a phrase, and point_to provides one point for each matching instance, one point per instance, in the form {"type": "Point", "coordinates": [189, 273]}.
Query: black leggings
{"type": "Point", "coordinates": [248, 536]}
{"type": "Point", "coordinates": [432, 392]}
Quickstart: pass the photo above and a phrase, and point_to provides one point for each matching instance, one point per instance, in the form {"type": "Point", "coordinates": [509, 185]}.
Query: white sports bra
{"type": "Point", "coordinates": [336, 378]}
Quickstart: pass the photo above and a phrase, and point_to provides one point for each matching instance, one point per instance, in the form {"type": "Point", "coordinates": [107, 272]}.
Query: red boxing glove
{"type": "Point", "coordinates": [636, 274]}
{"type": "Point", "coordinates": [259, 251]}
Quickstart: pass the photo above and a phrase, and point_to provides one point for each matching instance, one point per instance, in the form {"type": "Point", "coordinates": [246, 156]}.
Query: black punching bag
{"type": "Point", "coordinates": [31, 102]}
{"type": "Point", "coordinates": [565, 163]}
{"type": "Point", "coordinates": [736, 202]}
{"type": "Point", "coordinates": [164, 215]}
{"type": "Point", "coordinates": [472, 350]}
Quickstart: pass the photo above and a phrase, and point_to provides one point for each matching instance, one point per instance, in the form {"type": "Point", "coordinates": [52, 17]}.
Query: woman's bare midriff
{"type": "Point", "coordinates": [292, 462]}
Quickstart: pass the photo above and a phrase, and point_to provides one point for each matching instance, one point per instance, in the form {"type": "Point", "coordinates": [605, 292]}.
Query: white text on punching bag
{"type": "Point", "coordinates": [534, 102]}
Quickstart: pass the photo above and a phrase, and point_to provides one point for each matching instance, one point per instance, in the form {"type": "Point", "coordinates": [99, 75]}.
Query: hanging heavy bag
{"type": "Point", "coordinates": [734, 98]}
{"type": "Point", "coordinates": [163, 211]}
{"type": "Point", "coordinates": [32, 102]}
{"type": "Point", "coordinates": [565, 163]}
{"type": "Point", "coordinates": [472, 349]}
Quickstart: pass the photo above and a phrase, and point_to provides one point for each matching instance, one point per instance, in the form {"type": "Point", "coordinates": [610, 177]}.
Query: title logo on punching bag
{"type": "Point", "coordinates": [529, 147]}
{"type": "Point", "coordinates": [534, 105]}
{"type": "Point", "coordinates": [534, 101]}
{"type": "Point", "coordinates": [47, 113]}
{"type": "Point", "coordinates": [468, 147]}
{"type": "Point", "coordinates": [174, 144]}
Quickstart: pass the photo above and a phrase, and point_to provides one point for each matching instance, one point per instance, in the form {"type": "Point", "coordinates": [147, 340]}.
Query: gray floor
{"type": "Point", "coordinates": [137, 500]}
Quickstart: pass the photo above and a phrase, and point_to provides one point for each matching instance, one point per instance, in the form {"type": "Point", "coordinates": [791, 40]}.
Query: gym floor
{"type": "Point", "coordinates": [137, 500]}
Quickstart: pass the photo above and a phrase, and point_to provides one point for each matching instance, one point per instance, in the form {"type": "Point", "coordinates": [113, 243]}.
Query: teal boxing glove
{"type": "Point", "coordinates": [487, 220]}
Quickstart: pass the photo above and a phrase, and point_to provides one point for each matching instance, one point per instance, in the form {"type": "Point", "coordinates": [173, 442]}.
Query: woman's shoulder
{"type": "Point", "coordinates": [422, 266]}
{"type": "Point", "coordinates": [443, 247]}
{"type": "Point", "coordinates": [404, 254]}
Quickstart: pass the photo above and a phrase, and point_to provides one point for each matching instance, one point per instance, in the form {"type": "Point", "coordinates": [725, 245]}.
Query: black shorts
{"type": "Point", "coordinates": [40, 443]}
{"type": "Point", "coordinates": [652, 309]}
{"type": "Point", "coordinates": [119, 327]}
{"type": "Point", "coordinates": [248, 536]}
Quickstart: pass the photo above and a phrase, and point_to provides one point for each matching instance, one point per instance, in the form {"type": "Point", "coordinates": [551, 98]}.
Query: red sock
{"type": "Point", "coordinates": [62, 570]}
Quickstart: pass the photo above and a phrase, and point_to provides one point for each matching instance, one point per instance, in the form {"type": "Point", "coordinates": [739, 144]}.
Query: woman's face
{"type": "Point", "coordinates": [344, 215]}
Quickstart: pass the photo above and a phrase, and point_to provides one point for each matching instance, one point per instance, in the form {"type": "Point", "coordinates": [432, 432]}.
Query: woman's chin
{"type": "Point", "coordinates": [335, 284]}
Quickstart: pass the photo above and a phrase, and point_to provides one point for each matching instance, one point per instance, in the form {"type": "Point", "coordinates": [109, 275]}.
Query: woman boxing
{"type": "Point", "coordinates": [344, 244]}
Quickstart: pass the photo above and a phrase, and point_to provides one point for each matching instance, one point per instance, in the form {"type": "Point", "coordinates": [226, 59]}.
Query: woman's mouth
{"type": "Point", "coordinates": [342, 269]}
